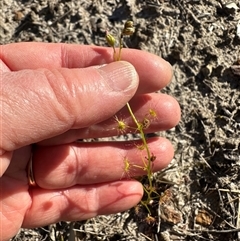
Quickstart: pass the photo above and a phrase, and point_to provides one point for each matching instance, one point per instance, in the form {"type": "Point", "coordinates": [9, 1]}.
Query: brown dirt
{"type": "Point", "coordinates": [201, 39]}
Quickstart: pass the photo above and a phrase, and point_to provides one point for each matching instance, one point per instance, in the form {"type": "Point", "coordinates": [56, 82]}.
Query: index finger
{"type": "Point", "coordinates": [17, 56]}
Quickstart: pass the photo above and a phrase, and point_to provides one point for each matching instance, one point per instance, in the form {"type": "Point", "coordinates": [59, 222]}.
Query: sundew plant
{"type": "Point", "coordinates": [139, 125]}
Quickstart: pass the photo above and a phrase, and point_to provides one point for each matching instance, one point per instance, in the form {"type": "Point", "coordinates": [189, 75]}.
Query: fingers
{"type": "Point", "coordinates": [91, 163]}
{"type": "Point", "coordinates": [81, 202]}
{"type": "Point", "coordinates": [14, 197]}
{"type": "Point", "coordinates": [84, 201]}
{"type": "Point", "coordinates": [167, 115]}
{"type": "Point", "coordinates": [154, 72]}
{"type": "Point", "coordinates": [41, 104]}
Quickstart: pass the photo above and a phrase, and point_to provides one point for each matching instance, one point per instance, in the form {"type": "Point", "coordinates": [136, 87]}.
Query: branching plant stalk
{"type": "Point", "coordinates": [128, 30]}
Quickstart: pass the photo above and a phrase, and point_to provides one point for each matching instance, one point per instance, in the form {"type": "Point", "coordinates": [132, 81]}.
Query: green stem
{"type": "Point", "coordinates": [120, 47]}
{"type": "Point", "coordinates": [149, 162]}
{"type": "Point", "coordinates": [148, 166]}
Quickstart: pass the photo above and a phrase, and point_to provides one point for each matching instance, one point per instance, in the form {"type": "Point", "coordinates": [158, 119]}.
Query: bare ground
{"type": "Point", "coordinates": [201, 39]}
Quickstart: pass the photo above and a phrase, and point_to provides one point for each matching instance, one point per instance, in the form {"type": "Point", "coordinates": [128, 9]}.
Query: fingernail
{"type": "Point", "coordinates": [120, 76]}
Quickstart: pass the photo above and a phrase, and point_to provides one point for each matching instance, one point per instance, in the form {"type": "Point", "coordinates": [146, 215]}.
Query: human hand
{"type": "Point", "coordinates": [52, 95]}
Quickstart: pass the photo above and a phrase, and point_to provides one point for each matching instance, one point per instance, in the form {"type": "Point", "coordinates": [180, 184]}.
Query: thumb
{"type": "Point", "coordinates": [39, 104]}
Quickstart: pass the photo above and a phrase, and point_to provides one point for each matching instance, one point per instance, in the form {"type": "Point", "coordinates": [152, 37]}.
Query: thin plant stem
{"type": "Point", "coordinates": [149, 162]}
{"type": "Point", "coordinates": [148, 165]}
